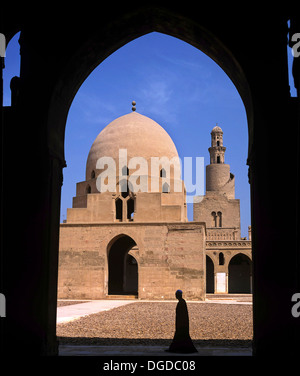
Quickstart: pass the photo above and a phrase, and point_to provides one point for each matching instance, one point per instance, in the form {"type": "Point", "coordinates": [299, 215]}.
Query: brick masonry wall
{"type": "Point", "coordinates": [170, 256]}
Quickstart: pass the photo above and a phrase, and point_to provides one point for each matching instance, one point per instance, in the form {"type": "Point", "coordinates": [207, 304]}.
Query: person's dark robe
{"type": "Point", "coordinates": [182, 342]}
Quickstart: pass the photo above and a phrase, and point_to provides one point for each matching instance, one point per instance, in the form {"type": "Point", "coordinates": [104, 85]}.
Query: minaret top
{"type": "Point", "coordinates": [217, 150]}
{"type": "Point", "coordinates": [133, 105]}
{"type": "Point", "coordinates": [217, 129]}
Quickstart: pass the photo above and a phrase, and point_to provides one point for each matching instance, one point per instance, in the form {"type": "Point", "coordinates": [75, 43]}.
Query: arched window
{"type": "Point", "coordinates": [123, 188]}
{"type": "Point", "coordinates": [93, 175]}
{"type": "Point", "coordinates": [125, 171]}
{"type": "Point", "coordinates": [165, 188]}
{"type": "Point", "coordinates": [219, 220]}
{"type": "Point", "coordinates": [130, 208]}
{"type": "Point", "coordinates": [214, 219]}
{"type": "Point", "coordinates": [218, 159]}
{"type": "Point", "coordinates": [163, 173]}
{"type": "Point", "coordinates": [88, 189]}
{"type": "Point", "coordinates": [221, 258]}
{"type": "Point", "coordinates": [119, 209]}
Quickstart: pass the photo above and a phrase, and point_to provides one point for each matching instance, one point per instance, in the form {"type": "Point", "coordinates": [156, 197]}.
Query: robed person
{"type": "Point", "coordinates": [182, 342]}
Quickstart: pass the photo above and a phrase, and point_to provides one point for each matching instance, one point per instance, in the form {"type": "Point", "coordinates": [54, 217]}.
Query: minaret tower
{"type": "Point", "coordinates": [217, 150]}
{"type": "Point", "coordinates": [219, 179]}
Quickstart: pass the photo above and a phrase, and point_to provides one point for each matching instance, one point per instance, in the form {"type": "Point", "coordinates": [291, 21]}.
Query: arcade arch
{"type": "Point", "coordinates": [210, 276]}
{"type": "Point", "coordinates": [240, 274]}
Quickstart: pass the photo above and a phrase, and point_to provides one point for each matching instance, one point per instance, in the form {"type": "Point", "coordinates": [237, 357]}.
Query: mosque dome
{"type": "Point", "coordinates": [140, 135]}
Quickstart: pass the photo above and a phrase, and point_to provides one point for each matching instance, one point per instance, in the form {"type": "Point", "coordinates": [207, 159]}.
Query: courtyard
{"type": "Point", "coordinates": [213, 323]}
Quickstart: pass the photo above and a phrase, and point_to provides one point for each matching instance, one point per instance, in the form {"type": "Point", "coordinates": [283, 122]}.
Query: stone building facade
{"type": "Point", "coordinates": [228, 256]}
{"type": "Point", "coordinates": [135, 239]}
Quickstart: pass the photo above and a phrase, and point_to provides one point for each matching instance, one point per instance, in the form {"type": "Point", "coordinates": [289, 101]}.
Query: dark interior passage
{"type": "Point", "coordinates": [240, 274]}
{"type": "Point", "coordinates": [210, 279]}
{"type": "Point", "coordinates": [122, 268]}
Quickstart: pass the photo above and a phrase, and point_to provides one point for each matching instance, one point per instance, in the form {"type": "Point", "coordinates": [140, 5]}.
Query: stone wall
{"type": "Point", "coordinates": [230, 212]}
{"type": "Point", "coordinates": [170, 256]}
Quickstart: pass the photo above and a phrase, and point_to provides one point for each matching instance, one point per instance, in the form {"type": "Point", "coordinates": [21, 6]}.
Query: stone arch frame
{"type": "Point", "coordinates": [250, 266]}
{"type": "Point", "coordinates": [81, 65]}
{"type": "Point", "coordinates": [109, 241]}
{"type": "Point", "coordinates": [89, 53]}
{"type": "Point", "coordinates": [235, 253]}
{"type": "Point", "coordinates": [245, 43]}
{"type": "Point", "coordinates": [137, 255]}
{"type": "Point", "coordinates": [214, 270]}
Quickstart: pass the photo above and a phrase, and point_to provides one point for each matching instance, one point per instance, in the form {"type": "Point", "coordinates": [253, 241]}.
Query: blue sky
{"type": "Point", "coordinates": [173, 83]}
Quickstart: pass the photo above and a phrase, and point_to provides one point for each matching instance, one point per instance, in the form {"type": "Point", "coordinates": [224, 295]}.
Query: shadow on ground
{"type": "Point", "coordinates": [86, 341]}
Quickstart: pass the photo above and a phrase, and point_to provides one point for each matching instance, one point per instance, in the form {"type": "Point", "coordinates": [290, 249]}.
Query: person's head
{"type": "Point", "coordinates": [178, 294]}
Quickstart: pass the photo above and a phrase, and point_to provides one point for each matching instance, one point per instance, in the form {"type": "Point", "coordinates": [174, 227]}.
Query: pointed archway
{"type": "Point", "coordinates": [122, 267]}
{"type": "Point", "coordinates": [210, 276]}
{"type": "Point", "coordinates": [240, 274]}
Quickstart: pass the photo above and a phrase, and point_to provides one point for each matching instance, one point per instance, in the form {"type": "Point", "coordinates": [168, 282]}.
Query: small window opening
{"type": "Point", "coordinates": [163, 173]}
{"type": "Point", "coordinates": [93, 175]}
{"type": "Point", "coordinates": [125, 171]}
{"type": "Point", "coordinates": [130, 209]}
{"type": "Point", "coordinates": [221, 258]}
{"type": "Point", "coordinates": [124, 189]}
{"type": "Point", "coordinates": [218, 159]}
{"type": "Point", "coordinates": [214, 219]}
{"type": "Point", "coordinates": [165, 188]}
{"type": "Point", "coordinates": [88, 189]}
{"type": "Point", "coordinates": [119, 209]}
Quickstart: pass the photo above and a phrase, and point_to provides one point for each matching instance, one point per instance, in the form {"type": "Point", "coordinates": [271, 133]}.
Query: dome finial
{"type": "Point", "coordinates": [133, 105]}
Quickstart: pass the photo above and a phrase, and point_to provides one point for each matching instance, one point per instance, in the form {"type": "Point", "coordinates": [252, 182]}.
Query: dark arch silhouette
{"type": "Point", "coordinates": [210, 276]}
{"type": "Point", "coordinates": [239, 274]}
{"type": "Point", "coordinates": [237, 50]}
{"type": "Point", "coordinates": [119, 209]}
{"type": "Point", "coordinates": [150, 19]}
{"type": "Point", "coordinates": [122, 267]}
